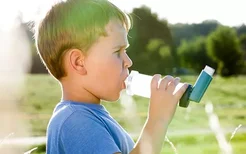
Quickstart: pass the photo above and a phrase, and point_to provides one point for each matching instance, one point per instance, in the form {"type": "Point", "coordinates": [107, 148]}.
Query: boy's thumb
{"type": "Point", "coordinates": [155, 81]}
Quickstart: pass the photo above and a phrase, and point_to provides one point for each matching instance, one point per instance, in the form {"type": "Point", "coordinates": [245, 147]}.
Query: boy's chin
{"type": "Point", "coordinates": [113, 98]}
{"type": "Point", "coordinates": [116, 96]}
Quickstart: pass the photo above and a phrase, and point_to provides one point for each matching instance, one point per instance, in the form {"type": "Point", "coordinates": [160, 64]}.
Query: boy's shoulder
{"type": "Point", "coordinates": [79, 127]}
{"type": "Point", "coordinates": [66, 114]}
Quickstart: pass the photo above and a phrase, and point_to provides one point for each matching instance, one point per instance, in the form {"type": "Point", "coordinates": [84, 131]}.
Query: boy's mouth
{"type": "Point", "coordinates": [123, 85]}
{"type": "Point", "coordinates": [124, 82]}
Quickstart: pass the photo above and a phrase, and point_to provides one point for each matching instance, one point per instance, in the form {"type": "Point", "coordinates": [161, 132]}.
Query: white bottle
{"type": "Point", "coordinates": [140, 84]}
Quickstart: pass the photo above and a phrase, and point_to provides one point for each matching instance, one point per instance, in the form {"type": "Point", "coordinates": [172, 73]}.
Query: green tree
{"type": "Point", "coordinates": [243, 47]}
{"type": "Point", "coordinates": [189, 31]}
{"type": "Point", "coordinates": [193, 54]}
{"type": "Point", "coordinates": [147, 26]}
{"type": "Point", "coordinates": [224, 47]}
{"type": "Point", "coordinates": [161, 53]}
{"type": "Point", "coordinates": [241, 29]}
{"type": "Point", "coordinates": [242, 40]}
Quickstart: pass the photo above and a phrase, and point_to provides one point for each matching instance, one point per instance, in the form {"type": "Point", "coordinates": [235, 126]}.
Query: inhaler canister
{"type": "Point", "coordinates": [201, 84]}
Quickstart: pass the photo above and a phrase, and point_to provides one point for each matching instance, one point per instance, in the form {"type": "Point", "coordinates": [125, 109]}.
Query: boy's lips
{"type": "Point", "coordinates": [124, 83]}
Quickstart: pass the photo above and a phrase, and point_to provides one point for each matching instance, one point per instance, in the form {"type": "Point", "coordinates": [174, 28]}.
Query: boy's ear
{"type": "Point", "coordinates": [77, 61]}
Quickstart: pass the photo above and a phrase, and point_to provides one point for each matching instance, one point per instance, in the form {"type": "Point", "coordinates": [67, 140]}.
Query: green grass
{"type": "Point", "coordinates": [199, 144]}
{"type": "Point", "coordinates": [203, 144]}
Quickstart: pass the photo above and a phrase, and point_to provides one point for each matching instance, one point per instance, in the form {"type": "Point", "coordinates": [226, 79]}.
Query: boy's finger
{"type": "Point", "coordinates": [164, 82]}
{"type": "Point", "coordinates": [154, 82]}
{"type": "Point", "coordinates": [181, 91]}
{"type": "Point", "coordinates": [171, 86]}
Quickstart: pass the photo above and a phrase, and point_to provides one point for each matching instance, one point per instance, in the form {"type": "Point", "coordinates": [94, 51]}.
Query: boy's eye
{"type": "Point", "coordinates": [117, 52]}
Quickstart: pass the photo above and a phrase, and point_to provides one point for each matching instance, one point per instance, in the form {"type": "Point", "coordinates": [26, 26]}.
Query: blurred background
{"type": "Point", "coordinates": [177, 37]}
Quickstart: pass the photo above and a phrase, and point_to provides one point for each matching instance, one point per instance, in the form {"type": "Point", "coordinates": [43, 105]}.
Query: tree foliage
{"type": "Point", "coordinates": [241, 29]}
{"type": "Point", "coordinates": [144, 52]}
{"type": "Point", "coordinates": [161, 53]}
{"type": "Point", "coordinates": [223, 46]}
{"type": "Point", "coordinates": [193, 54]}
{"type": "Point", "coordinates": [189, 31]}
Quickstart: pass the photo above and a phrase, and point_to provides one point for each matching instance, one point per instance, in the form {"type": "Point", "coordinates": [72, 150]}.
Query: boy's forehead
{"type": "Point", "coordinates": [117, 32]}
{"type": "Point", "coordinates": [114, 25]}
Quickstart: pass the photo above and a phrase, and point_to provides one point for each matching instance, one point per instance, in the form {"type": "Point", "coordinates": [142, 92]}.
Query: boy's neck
{"type": "Point", "coordinates": [71, 93]}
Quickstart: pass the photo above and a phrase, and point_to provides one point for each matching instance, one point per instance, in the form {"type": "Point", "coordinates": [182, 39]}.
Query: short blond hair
{"type": "Point", "coordinates": [73, 24]}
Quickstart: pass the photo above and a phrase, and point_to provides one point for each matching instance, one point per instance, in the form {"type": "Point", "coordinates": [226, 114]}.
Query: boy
{"type": "Point", "coordinates": [83, 45]}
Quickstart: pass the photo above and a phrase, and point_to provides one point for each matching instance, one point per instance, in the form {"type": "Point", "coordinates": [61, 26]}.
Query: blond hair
{"type": "Point", "coordinates": [73, 24]}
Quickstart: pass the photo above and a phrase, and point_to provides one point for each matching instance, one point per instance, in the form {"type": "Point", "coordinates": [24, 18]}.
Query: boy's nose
{"type": "Point", "coordinates": [127, 61]}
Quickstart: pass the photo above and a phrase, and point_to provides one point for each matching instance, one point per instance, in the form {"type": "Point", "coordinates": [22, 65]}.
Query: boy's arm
{"type": "Point", "coordinates": [151, 138]}
{"type": "Point", "coordinates": [162, 107]}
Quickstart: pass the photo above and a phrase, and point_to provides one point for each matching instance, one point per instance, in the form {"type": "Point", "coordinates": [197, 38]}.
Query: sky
{"type": "Point", "coordinates": [227, 12]}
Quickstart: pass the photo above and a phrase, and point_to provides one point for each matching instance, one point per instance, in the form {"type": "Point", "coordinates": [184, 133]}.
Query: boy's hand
{"type": "Point", "coordinates": [163, 102]}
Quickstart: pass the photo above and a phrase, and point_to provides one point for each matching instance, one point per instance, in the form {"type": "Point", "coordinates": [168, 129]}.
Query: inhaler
{"type": "Point", "coordinates": [139, 84]}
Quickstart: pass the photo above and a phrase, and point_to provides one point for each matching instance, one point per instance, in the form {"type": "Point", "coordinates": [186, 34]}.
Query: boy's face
{"type": "Point", "coordinates": [107, 63]}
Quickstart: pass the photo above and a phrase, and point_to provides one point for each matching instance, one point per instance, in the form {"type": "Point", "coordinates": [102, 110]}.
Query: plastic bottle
{"type": "Point", "coordinates": [139, 84]}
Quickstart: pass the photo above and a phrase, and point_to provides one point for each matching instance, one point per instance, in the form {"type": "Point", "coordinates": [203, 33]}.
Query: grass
{"type": "Point", "coordinates": [228, 95]}
{"type": "Point", "coordinates": [203, 144]}
{"type": "Point", "coordinates": [198, 144]}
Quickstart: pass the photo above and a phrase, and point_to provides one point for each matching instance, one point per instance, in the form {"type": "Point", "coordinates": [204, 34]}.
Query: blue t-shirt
{"type": "Point", "coordinates": [82, 128]}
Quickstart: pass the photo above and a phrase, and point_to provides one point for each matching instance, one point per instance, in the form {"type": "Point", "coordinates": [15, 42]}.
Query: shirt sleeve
{"type": "Point", "coordinates": [82, 134]}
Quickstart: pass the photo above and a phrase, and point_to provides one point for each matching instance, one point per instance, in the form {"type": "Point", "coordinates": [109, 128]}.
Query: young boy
{"type": "Point", "coordinates": [83, 45]}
